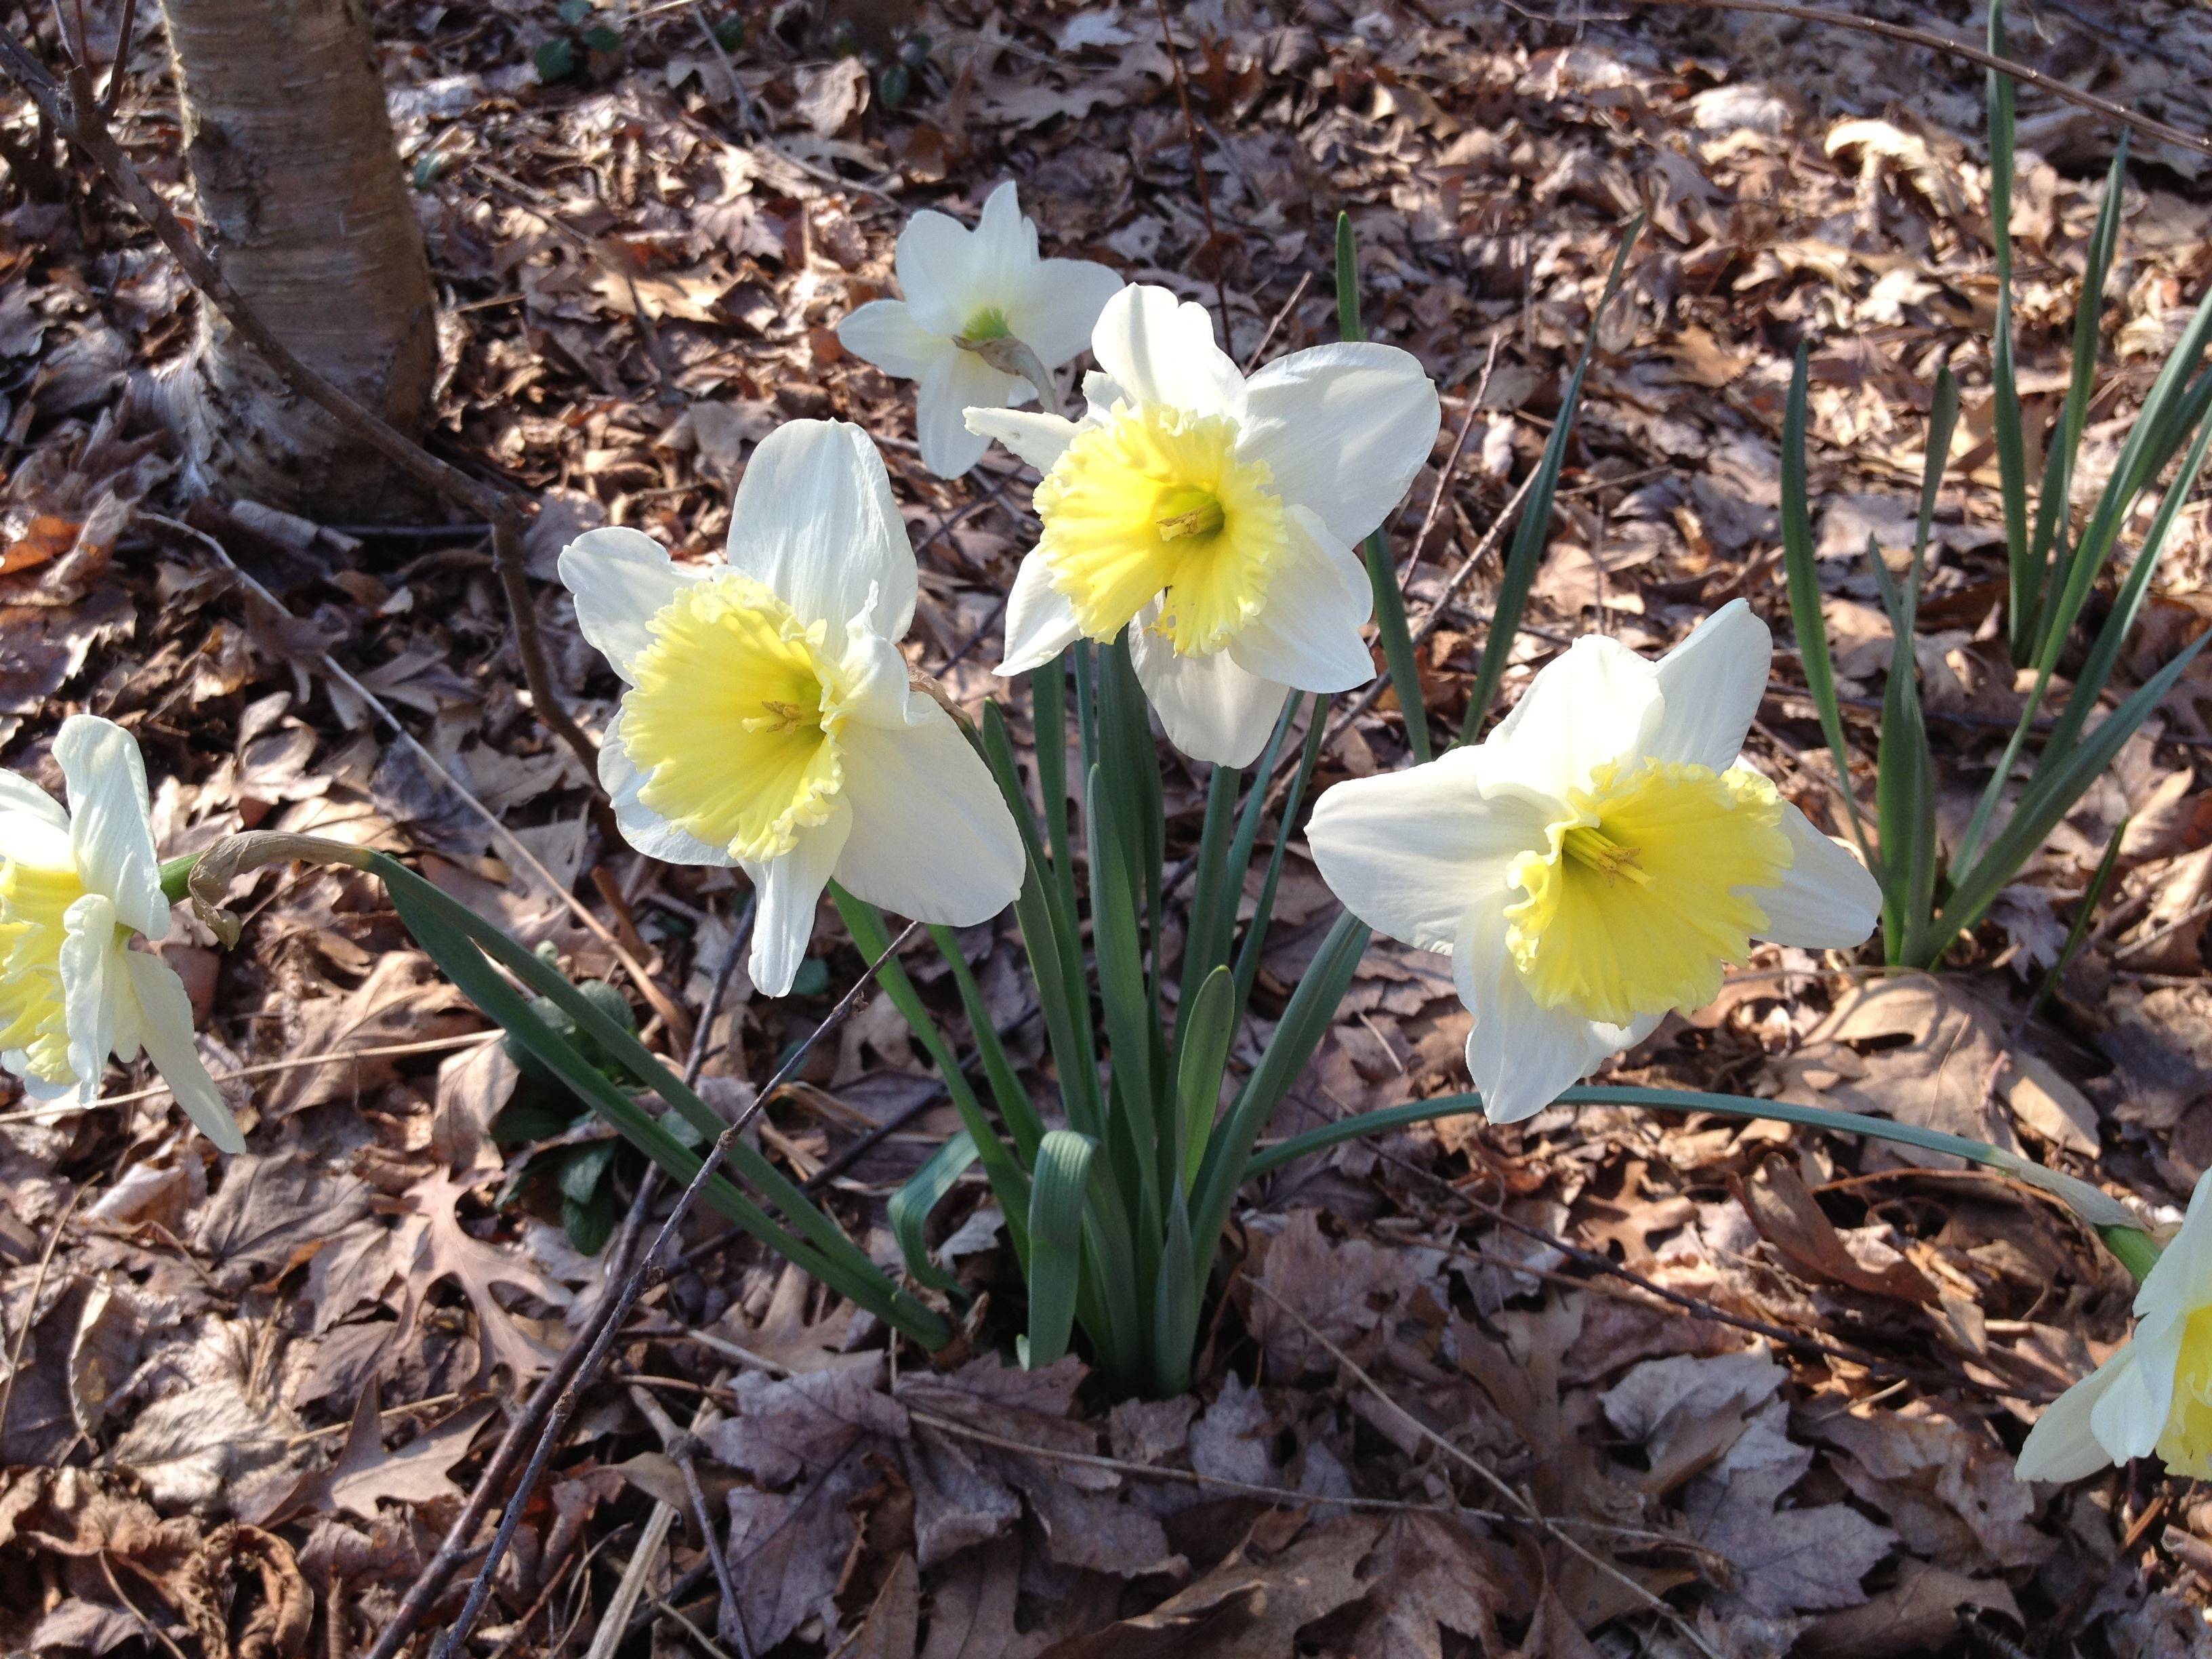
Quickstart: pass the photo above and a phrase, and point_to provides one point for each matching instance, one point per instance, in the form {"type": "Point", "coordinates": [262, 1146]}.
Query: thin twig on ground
{"type": "Point", "coordinates": [1220, 255]}
{"type": "Point", "coordinates": [682, 1447]}
{"type": "Point", "coordinates": [609, 1325]}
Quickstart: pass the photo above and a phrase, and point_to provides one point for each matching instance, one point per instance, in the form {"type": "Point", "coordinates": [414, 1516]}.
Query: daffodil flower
{"type": "Point", "coordinates": [77, 887]}
{"type": "Point", "coordinates": [1598, 860]}
{"type": "Point", "coordinates": [2155, 1394]}
{"type": "Point", "coordinates": [967, 292]}
{"type": "Point", "coordinates": [1212, 516]}
{"type": "Point", "coordinates": [768, 721]}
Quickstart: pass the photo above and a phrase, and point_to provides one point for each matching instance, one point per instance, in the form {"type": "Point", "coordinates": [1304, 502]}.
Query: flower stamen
{"type": "Point", "coordinates": [1157, 504]}
{"type": "Point", "coordinates": [734, 716]}
{"type": "Point", "coordinates": [1647, 889]}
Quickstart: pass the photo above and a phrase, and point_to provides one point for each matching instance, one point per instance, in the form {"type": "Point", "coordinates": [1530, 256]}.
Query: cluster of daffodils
{"type": "Point", "coordinates": [1597, 862]}
{"type": "Point", "coordinates": [78, 888]}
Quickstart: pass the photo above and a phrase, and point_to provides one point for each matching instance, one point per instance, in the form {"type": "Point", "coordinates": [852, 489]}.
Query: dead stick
{"type": "Point", "coordinates": [74, 112]}
{"type": "Point", "coordinates": [1198, 172]}
{"type": "Point", "coordinates": [587, 1372]}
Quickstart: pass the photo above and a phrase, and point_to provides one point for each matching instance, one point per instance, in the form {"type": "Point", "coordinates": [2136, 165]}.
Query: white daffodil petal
{"type": "Point", "coordinates": [814, 519]}
{"type": "Point", "coordinates": [1160, 350]}
{"type": "Point", "coordinates": [110, 832]}
{"type": "Point", "coordinates": [1002, 251]}
{"type": "Point", "coordinates": [1307, 637]}
{"type": "Point", "coordinates": [1596, 702]}
{"type": "Point", "coordinates": [1344, 429]}
{"type": "Point", "coordinates": [1520, 1056]}
{"type": "Point", "coordinates": [1828, 900]}
{"type": "Point", "coordinates": [37, 842]}
{"type": "Point", "coordinates": [19, 796]}
{"type": "Point", "coordinates": [789, 890]}
{"type": "Point", "coordinates": [1100, 392]}
{"type": "Point", "coordinates": [166, 1029]}
{"type": "Point", "coordinates": [93, 983]}
{"type": "Point", "coordinates": [883, 332]}
{"type": "Point", "coordinates": [2181, 1278]}
{"type": "Point", "coordinates": [2063, 1443]}
{"type": "Point", "coordinates": [1212, 709]}
{"type": "Point", "coordinates": [1411, 853]}
{"type": "Point", "coordinates": [2130, 1414]}
{"type": "Point", "coordinates": [620, 579]}
{"type": "Point", "coordinates": [1713, 683]}
{"type": "Point", "coordinates": [642, 827]}
{"type": "Point", "coordinates": [956, 383]}
{"type": "Point", "coordinates": [932, 837]}
{"type": "Point", "coordinates": [1059, 306]}
{"type": "Point", "coordinates": [1032, 437]}
{"type": "Point", "coordinates": [936, 271]}
{"type": "Point", "coordinates": [1040, 622]}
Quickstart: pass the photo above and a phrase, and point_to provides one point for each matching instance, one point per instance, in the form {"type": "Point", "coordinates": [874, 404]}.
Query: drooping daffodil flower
{"type": "Point", "coordinates": [768, 721]}
{"type": "Point", "coordinates": [968, 293]}
{"type": "Point", "coordinates": [2154, 1394]}
{"type": "Point", "coordinates": [77, 888]}
{"type": "Point", "coordinates": [1213, 517]}
{"type": "Point", "coordinates": [1597, 860]}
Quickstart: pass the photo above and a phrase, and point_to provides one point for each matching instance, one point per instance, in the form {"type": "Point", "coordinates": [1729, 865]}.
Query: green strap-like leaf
{"type": "Point", "coordinates": [2106, 1214]}
{"type": "Point", "coordinates": [621, 1045]}
{"type": "Point", "coordinates": [1009, 1182]}
{"type": "Point", "coordinates": [1305, 1022]}
{"type": "Point", "coordinates": [925, 1190]}
{"type": "Point", "coordinates": [1058, 1196]}
{"type": "Point", "coordinates": [1208, 1031]}
{"type": "Point", "coordinates": [1016, 1110]}
{"type": "Point", "coordinates": [1263, 907]}
{"type": "Point", "coordinates": [1806, 615]}
{"type": "Point", "coordinates": [1534, 533]}
{"type": "Point", "coordinates": [1055, 949]}
{"type": "Point", "coordinates": [457, 951]}
{"type": "Point", "coordinates": [1390, 624]}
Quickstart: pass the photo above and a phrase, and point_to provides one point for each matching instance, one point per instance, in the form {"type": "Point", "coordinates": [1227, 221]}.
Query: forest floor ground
{"type": "Point", "coordinates": [1775, 1378]}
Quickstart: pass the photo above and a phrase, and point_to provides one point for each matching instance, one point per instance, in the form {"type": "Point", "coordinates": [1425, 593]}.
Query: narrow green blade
{"type": "Point", "coordinates": [1534, 532]}
{"type": "Point", "coordinates": [1057, 1197]}
{"type": "Point", "coordinates": [910, 1206]}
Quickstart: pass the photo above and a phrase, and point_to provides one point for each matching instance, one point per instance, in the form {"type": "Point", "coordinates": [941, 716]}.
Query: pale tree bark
{"type": "Point", "coordinates": [305, 209]}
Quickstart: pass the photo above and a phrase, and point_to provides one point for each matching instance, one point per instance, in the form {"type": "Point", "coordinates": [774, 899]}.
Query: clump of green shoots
{"type": "Point", "coordinates": [1929, 900]}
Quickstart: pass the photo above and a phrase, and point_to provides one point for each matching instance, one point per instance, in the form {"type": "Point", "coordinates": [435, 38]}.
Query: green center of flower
{"type": "Point", "coordinates": [1188, 511]}
{"type": "Point", "coordinates": [33, 1016]}
{"type": "Point", "coordinates": [988, 324]}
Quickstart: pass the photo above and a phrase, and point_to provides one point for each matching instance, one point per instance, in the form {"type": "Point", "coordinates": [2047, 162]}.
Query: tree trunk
{"type": "Point", "coordinates": [304, 206]}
